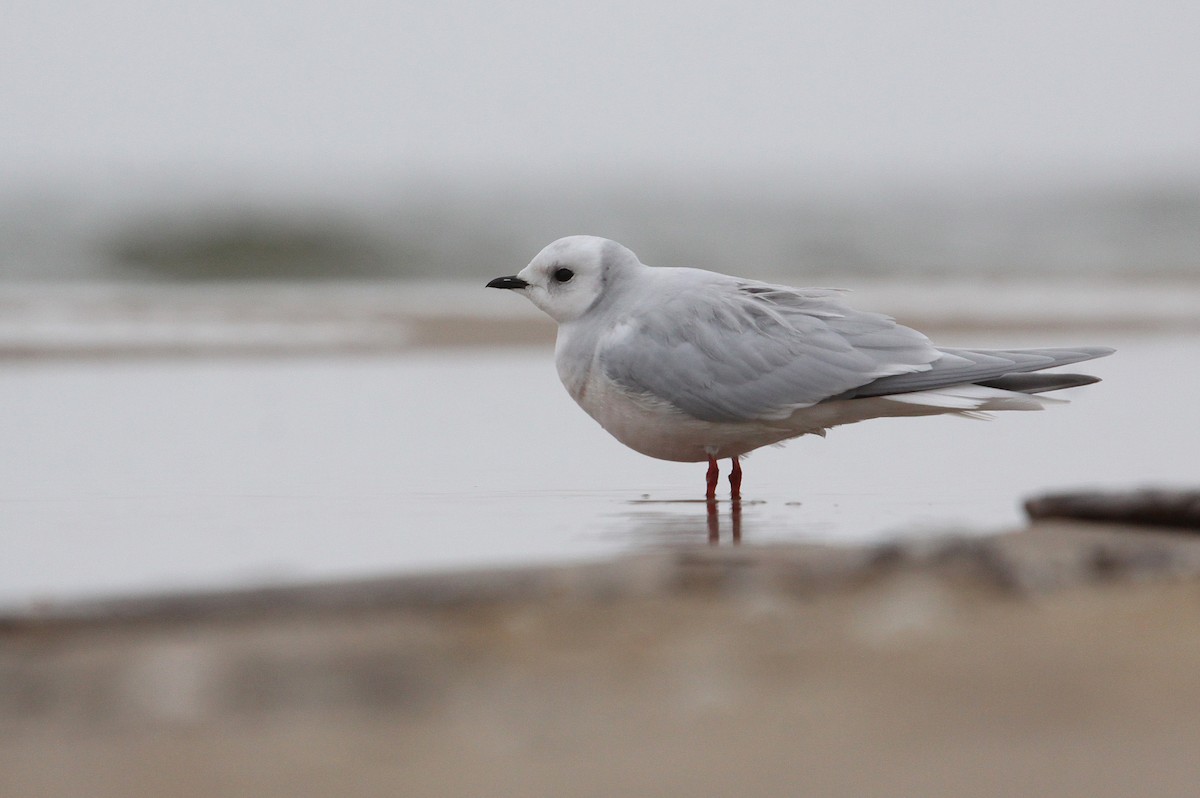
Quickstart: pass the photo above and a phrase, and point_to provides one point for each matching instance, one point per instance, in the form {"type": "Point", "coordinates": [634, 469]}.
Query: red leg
{"type": "Point", "coordinates": [713, 475]}
{"type": "Point", "coordinates": [735, 480]}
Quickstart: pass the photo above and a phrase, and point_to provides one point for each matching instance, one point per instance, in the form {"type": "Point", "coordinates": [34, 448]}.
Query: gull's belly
{"type": "Point", "coordinates": [657, 429]}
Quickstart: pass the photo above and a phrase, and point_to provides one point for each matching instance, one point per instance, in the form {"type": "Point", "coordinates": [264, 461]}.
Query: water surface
{"type": "Point", "coordinates": [127, 476]}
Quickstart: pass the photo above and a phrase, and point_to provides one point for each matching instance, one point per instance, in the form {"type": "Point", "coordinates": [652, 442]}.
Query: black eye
{"type": "Point", "coordinates": [563, 275]}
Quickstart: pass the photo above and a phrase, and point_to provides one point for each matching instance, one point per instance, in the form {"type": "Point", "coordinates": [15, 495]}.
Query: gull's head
{"type": "Point", "coordinates": [567, 278]}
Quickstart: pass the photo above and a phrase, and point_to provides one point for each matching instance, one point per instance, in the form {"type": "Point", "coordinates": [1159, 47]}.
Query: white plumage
{"type": "Point", "coordinates": [691, 365]}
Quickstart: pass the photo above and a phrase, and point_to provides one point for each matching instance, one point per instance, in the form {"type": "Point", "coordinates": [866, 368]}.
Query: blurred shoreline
{"type": "Point", "coordinates": [798, 233]}
{"type": "Point", "coordinates": [115, 319]}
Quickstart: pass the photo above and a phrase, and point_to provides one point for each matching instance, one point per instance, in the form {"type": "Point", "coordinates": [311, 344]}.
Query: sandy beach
{"type": "Point", "coordinates": [1059, 660]}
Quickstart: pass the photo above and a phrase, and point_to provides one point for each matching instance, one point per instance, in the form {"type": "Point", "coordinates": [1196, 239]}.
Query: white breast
{"type": "Point", "coordinates": [657, 429]}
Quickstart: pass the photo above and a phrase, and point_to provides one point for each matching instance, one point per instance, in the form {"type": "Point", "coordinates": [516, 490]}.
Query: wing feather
{"type": "Point", "coordinates": [960, 366]}
{"type": "Point", "coordinates": [725, 350]}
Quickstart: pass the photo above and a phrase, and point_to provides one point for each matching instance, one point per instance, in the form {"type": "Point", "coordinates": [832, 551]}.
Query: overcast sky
{"type": "Point", "coordinates": [855, 90]}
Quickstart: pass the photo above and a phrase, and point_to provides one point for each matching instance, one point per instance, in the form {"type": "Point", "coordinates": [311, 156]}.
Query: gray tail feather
{"type": "Point", "coordinates": [999, 368]}
{"type": "Point", "coordinates": [1039, 383]}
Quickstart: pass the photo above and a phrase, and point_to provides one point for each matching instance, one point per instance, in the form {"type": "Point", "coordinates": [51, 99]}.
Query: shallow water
{"type": "Point", "coordinates": [129, 476]}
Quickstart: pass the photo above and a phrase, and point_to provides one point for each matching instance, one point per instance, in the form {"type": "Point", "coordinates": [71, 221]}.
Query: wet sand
{"type": "Point", "coordinates": [1060, 660]}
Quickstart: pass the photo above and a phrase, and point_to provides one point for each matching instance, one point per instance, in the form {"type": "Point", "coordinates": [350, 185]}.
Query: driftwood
{"type": "Point", "coordinates": [1173, 508]}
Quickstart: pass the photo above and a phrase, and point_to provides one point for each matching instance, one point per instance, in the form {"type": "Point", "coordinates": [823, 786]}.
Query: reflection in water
{"type": "Point", "coordinates": [714, 521]}
{"type": "Point", "coordinates": [676, 522]}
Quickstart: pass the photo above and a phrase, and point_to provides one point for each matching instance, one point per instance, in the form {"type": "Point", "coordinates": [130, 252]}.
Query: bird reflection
{"type": "Point", "coordinates": [677, 522]}
{"type": "Point", "coordinates": [714, 522]}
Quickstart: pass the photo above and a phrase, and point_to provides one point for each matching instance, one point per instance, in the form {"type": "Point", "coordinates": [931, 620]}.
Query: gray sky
{"type": "Point", "coordinates": [849, 90]}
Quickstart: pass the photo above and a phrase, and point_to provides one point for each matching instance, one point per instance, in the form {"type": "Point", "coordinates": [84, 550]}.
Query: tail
{"type": "Point", "coordinates": [1004, 369]}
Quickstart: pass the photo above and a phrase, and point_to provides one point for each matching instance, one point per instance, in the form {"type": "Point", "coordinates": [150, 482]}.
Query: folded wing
{"type": "Point", "coordinates": [730, 350]}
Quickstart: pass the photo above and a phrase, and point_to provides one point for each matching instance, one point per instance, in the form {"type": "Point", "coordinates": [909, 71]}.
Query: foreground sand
{"type": "Point", "coordinates": [1061, 660]}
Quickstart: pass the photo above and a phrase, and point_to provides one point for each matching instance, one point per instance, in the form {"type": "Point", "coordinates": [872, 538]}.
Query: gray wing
{"type": "Point", "coordinates": [738, 350]}
{"type": "Point", "coordinates": [994, 367]}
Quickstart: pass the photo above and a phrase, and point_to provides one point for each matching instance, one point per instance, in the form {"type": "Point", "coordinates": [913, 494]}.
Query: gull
{"type": "Point", "coordinates": [691, 365]}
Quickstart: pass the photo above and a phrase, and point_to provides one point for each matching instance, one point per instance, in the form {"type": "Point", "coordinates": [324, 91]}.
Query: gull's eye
{"type": "Point", "coordinates": [563, 275]}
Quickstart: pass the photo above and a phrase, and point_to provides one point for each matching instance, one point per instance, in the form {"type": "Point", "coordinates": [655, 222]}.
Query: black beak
{"type": "Point", "coordinates": [508, 282]}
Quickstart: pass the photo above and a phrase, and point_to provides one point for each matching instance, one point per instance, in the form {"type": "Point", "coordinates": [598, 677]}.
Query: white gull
{"type": "Point", "coordinates": [691, 365]}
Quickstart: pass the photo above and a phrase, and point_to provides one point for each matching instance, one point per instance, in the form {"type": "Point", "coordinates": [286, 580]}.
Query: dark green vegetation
{"type": "Point", "coordinates": [256, 249]}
